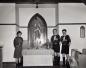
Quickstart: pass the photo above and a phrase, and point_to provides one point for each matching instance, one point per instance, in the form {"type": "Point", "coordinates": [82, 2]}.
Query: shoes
{"type": "Point", "coordinates": [67, 64]}
{"type": "Point", "coordinates": [56, 61]}
{"type": "Point", "coordinates": [63, 61]}
{"type": "Point", "coordinates": [17, 66]}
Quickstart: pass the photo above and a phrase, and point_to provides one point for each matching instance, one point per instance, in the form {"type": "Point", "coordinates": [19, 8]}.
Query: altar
{"type": "Point", "coordinates": [41, 57]}
{"type": "Point", "coordinates": [36, 50]}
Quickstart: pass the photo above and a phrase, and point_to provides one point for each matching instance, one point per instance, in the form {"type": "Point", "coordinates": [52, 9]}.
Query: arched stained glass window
{"type": "Point", "coordinates": [82, 32]}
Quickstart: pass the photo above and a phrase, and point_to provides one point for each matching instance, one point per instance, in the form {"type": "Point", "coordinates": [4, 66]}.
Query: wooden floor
{"type": "Point", "coordinates": [13, 65]}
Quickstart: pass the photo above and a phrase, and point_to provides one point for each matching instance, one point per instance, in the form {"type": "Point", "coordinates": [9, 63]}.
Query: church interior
{"type": "Point", "coordinates": [30, 16]}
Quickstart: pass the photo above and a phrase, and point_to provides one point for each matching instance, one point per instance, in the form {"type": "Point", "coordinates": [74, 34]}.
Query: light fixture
{"type": "Point", "coordinates": [36, 2]}
{"type": "Point", "coordinates": [36, 5]}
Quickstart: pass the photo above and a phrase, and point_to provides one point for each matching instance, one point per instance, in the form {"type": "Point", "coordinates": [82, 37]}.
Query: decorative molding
{"type": "Point", "coordinates": [7, 24]}
{"type": "Point", "coordinates": [27, 26]}
{"type": "Point", "coordinates": [71, 24]}
{"type": "Point", "coordinates": [47, 26]}
{"type": "Point", "coordinates": [33, 5]}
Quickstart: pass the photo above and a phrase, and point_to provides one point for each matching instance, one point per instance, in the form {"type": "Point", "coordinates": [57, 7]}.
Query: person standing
{"type": "Point", "coordinates": [65, 40]}
{"type": "Point", "coordinates": [55, 40]}
{"type": "Point", "coordinates": [18, 41]}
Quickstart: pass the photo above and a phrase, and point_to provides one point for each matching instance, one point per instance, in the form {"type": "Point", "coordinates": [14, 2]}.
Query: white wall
{"type": "Point", "coordinates": [7, 32]}
{"type": "Point", "coordinates": [25, 14]}
{"type": "Point", "coordinates": [24, 33]}
{"type": "Point", "coordinates": [72, 13]}
{"type": "Point", "coordinates": [7, 13]}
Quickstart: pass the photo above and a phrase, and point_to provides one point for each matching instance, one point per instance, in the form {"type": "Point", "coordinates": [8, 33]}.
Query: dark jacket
{"type": "Point", "coordinates": [57, 41]}
{"type": "Point", "coordinates": [66, 41]}
{"type": "Point", "coordinates": [18, 41]}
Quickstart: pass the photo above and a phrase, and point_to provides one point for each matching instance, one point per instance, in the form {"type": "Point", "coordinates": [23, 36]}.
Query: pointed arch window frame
{"type": "Point", "coordinates": [44, 24]}
{"type": "Point", "coordinates": [82, 32]}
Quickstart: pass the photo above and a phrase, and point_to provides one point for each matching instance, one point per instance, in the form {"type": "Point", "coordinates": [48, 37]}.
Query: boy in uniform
{"type": "Point", "coordinates": [55, 40]}
{"type": "Point", "coordinates": [65, 40]}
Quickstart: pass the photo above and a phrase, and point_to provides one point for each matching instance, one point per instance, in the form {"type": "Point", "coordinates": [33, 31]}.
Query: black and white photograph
{"type": "Point", "coordinates": [42, 33]}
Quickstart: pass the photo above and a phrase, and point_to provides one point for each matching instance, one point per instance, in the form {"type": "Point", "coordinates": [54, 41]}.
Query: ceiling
{"type": "Point", "coordinates": [41, 1]}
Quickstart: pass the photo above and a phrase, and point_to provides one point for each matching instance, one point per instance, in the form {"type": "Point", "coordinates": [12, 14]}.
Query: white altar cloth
{"type": "Point", "coordinates": [38, 57]}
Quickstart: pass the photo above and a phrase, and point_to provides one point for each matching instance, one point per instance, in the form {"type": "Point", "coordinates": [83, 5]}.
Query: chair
{"type": "Point", "coordinates": [78, 59]}
{"type": "Point", "coordinates": [82, 58]}
{"type": "Point", "coordinates": [73, 59]}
